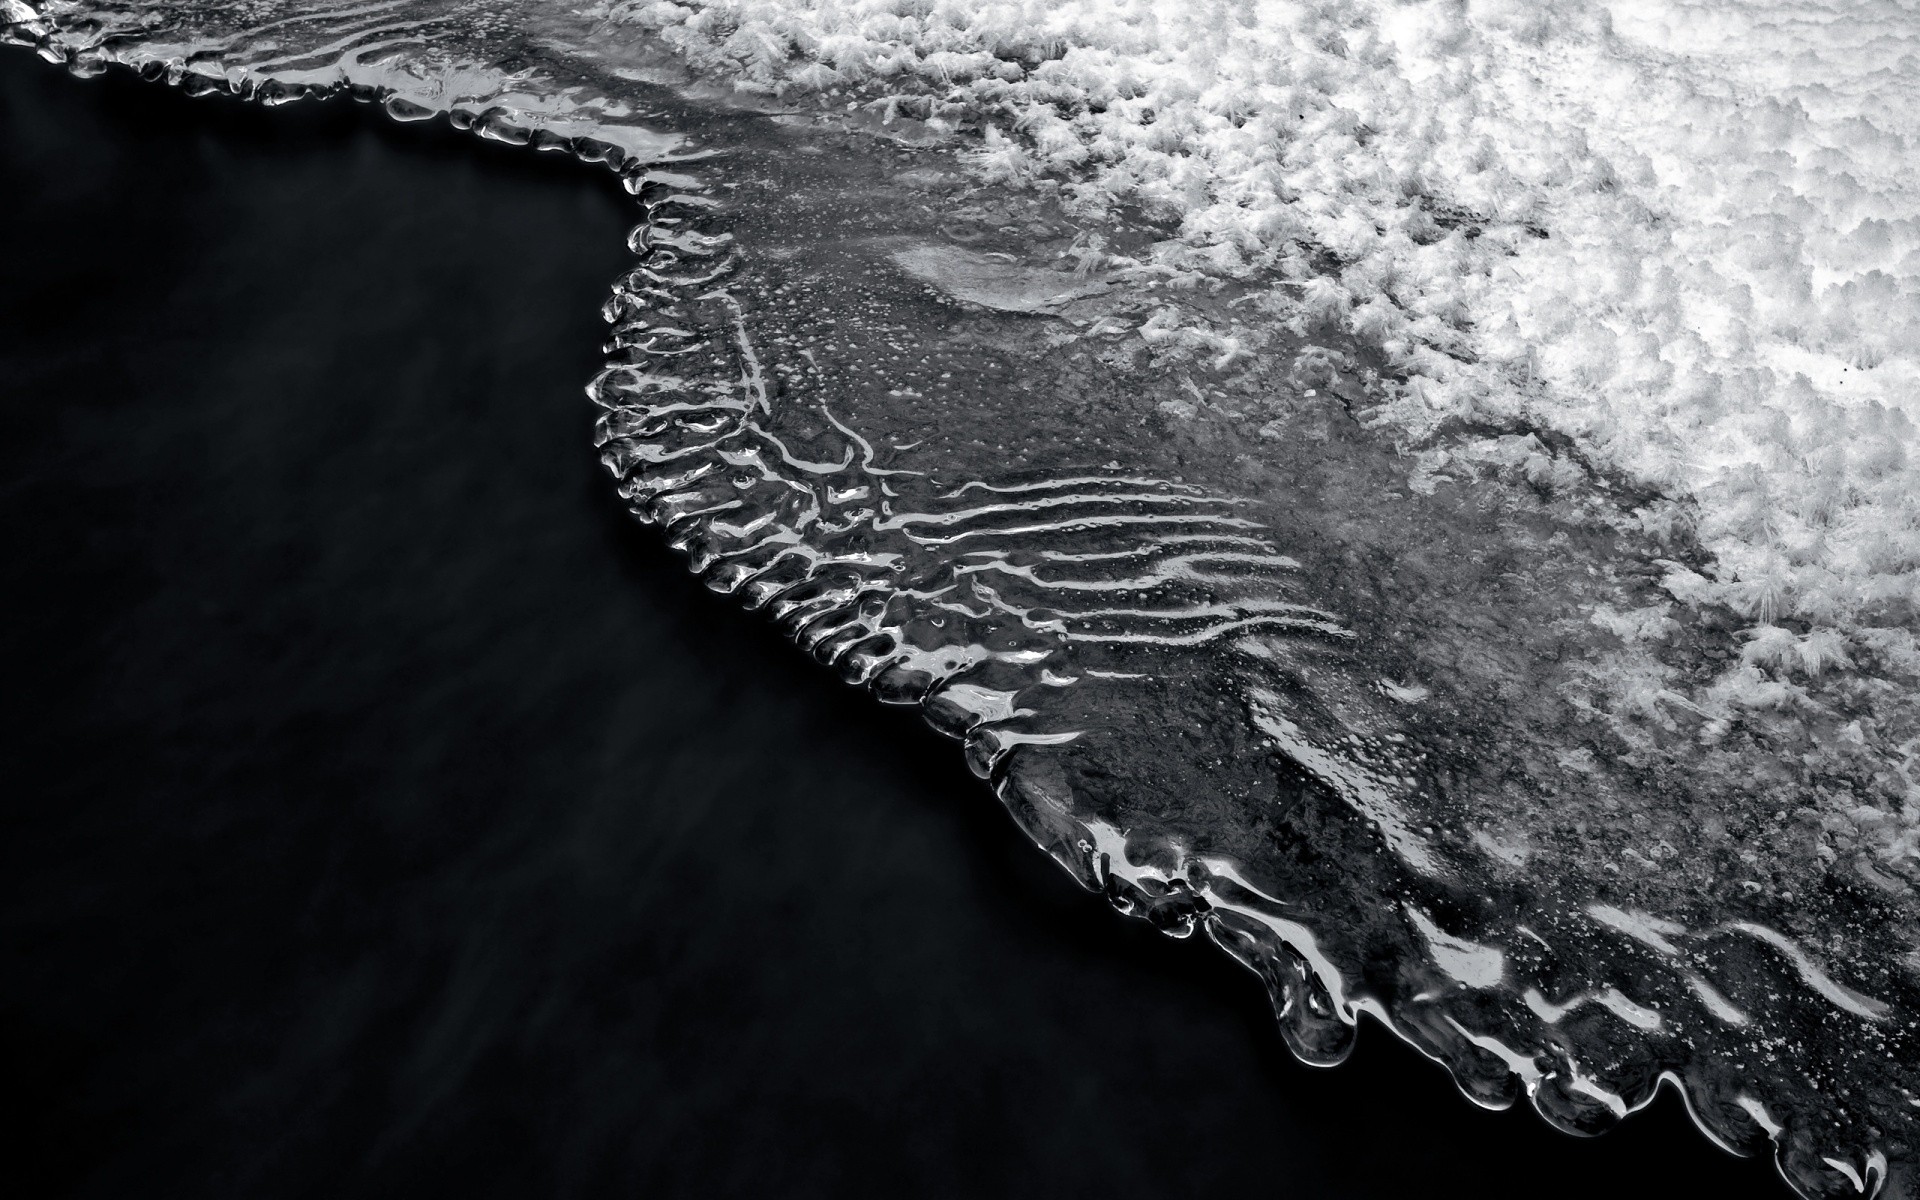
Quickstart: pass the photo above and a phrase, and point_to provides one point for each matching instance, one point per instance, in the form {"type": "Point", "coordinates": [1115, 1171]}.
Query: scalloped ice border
{"type": "Point", "coordinates": [1318, 1020]}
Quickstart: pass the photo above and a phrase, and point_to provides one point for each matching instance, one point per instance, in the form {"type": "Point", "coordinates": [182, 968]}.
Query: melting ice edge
{"type": "Point", "coordinates": [1227, 646]}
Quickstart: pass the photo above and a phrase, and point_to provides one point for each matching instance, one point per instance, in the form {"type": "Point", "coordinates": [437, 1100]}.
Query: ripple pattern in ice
{"type": "Point", "coordinates": [1205, 633]}
{"type": "Point", "coordinates": [1145, 670]}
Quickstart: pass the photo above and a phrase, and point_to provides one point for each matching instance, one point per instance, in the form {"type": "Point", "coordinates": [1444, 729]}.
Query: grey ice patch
{"type": "Point", "coordinates": [989, 281]}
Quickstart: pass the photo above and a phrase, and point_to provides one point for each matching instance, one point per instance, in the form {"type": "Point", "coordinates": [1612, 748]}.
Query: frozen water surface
{"type": "Point", "coordinates": [1418, 494]}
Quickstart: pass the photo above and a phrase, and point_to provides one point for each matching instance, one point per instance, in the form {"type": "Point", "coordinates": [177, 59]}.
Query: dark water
{"type": "Point", "coordinates": [387, 814]}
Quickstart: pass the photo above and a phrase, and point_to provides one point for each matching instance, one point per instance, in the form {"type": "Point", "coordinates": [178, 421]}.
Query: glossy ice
{"type": "Point", "coordinates": [1223, 649]}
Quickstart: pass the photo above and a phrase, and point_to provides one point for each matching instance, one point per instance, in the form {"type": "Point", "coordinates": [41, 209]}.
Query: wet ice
{"type": "Point", "coordinates": [1226, 646]}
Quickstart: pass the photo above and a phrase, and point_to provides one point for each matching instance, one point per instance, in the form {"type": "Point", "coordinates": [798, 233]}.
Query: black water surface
{"type": "Point", "coordinates": [385, 814]}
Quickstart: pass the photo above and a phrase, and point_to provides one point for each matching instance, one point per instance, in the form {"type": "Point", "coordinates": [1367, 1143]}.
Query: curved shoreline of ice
{"type": "Point", "coordinates": [1145, 873]}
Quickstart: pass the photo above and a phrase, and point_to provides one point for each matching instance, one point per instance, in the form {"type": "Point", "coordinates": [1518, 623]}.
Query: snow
{"type": "Point", "coordinates": [1725, 303]}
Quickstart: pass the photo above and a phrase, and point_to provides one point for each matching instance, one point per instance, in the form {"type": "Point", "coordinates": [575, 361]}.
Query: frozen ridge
{"type": "Point", "coordinates": [1266, 609]}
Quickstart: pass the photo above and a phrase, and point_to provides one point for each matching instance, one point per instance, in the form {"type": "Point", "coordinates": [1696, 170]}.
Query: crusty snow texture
{"type": "Point", "coordinates": [1726, 303]}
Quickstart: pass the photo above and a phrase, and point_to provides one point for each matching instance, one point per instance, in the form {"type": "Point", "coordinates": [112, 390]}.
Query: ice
{"type": "Point", "coordinates": [1686, 234]}
{"type": "Point", "coordinates": [1417, 492]}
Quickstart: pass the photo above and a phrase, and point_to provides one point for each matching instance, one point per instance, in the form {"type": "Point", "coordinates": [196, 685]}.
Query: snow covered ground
{"type": "Point", "coordinates": [1686, 232]}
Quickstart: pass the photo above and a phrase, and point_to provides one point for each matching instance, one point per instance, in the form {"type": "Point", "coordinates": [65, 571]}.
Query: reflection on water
{"type": "Point", "coordinates": [1224, 651]}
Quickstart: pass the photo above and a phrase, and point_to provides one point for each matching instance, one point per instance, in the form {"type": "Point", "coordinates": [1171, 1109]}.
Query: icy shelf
{"type": "Point", "coordinates": [1415, 543]}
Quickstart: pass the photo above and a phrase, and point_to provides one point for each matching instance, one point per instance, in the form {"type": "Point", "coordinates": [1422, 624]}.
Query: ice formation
{"type": "Point", "coordinates": [1688, 235]}
{"type": "Point", "coordinates": [1418, 492]}
{"type": "Point", "coordinates": [1685, 235]}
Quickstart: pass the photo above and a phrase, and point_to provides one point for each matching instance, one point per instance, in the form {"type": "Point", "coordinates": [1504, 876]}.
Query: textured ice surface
{"type": "Point", "coordinates": [1334, 534]}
